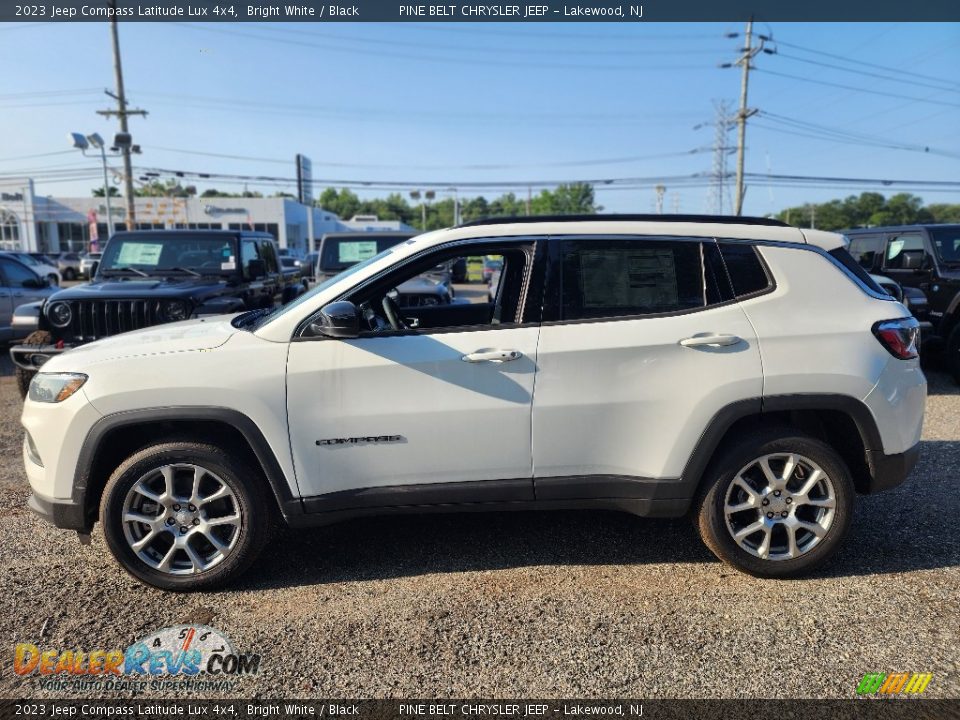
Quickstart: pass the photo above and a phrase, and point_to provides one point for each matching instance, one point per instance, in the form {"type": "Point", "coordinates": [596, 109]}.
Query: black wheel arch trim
{"type": "Point", "coordinates": [286, 502]}
{"type": "Point", "coordinates": [723, 420]}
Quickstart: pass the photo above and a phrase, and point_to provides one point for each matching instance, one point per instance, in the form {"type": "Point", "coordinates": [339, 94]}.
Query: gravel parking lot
{"type": "Point", "coordinates": [523, 605]}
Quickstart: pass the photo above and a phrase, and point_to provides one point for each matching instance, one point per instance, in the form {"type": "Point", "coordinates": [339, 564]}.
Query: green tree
{"type": "Point", "coordinates": [945, 212]}
{"type": "Point", "coordinates": [98, 192]}
{"type": "Point", "coordinates": [867, 209]}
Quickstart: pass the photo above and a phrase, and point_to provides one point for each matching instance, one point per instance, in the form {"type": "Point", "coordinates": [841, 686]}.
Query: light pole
{"type": "Point", "coordinates": [82, 142]}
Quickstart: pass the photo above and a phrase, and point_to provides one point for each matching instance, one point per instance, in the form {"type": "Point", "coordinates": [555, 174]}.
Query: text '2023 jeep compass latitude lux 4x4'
{"type": "Point", "coordinates": [743, 370]}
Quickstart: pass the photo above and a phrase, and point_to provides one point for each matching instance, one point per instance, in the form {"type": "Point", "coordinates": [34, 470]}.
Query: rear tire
{"type": "Point", "coordinates": [800, 510]}
{"type": "Point", "coordinates": [205, 516]}
{"type": "Point", "coordinates": [23, 380]}
{"type": "Point", "coordinates": [69, 274]}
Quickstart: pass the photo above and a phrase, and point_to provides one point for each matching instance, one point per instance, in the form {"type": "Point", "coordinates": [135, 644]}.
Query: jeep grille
{"type": "Point", "coordinates": [101, 318]}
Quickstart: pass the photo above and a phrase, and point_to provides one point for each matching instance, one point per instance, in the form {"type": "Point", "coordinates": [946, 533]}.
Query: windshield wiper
{"type": "Point", "coordinates": [179, 269]}
{"type": "Point", "coordinates": [250, 317]}
{"type": "Point", "coordinates": [141, 273]}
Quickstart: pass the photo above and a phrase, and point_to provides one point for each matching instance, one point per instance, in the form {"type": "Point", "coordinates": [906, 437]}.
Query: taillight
{"type": "Point", "coordinates": [901, 337]}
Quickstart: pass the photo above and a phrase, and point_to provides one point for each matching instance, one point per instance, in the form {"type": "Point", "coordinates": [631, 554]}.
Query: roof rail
{"type": "Point", "coordinates": [725, 219]}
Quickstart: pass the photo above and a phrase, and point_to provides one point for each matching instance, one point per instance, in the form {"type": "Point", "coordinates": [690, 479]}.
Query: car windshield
{"type": "Point", "coordinates": [341, 253]}
{"type": "Point", "coordinates": [165, 254]}
{"type": "Point", "coordinates": [306, 297]}
{"type": "Point", "coordinates": [946, 241]}
{"type": "Point", "coordinates": [27, 260]}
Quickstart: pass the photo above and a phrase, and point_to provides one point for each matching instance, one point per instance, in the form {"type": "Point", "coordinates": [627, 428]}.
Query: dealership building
{"type": "Point", "coordinates": [33, 223]}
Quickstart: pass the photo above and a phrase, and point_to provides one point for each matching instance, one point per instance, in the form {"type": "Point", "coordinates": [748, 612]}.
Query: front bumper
{"type": "Point", "coordinates": [889, 471]}
{"type": "Point", "coordinates": [32, 357]}
{"type": "Point", "coordinates": [64, 514]}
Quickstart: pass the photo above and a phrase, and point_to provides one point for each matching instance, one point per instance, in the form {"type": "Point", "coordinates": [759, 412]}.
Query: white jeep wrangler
{"type": "Point", "coordinates": [742, 370]}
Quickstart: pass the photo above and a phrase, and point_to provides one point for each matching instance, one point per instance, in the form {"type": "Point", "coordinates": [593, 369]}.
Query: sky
{"type": "Point", "coordinates": [523, 104]}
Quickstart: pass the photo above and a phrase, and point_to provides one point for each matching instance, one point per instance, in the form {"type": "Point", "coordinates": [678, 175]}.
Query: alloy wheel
{"type": "Point", "coordinates": [181, 519]}
{"type": "Point", "coordinates": [779, 506]}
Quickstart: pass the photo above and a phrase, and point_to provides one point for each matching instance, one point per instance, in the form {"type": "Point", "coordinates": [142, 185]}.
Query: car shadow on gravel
{"type": "Point", "coordinates": [897, 531]}
{"type": "Point", "coordinates": [391, 547]}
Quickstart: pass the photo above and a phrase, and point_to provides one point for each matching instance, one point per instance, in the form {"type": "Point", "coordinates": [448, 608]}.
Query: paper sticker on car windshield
{"type": "Point", "coordinates": [133, 253]}
{"type": "Point", "coordinates": [228, 265]}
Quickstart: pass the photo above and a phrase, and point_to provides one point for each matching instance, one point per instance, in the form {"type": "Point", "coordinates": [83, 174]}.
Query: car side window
{"type": "Point", "coordinates": [904, 252]}
{"type": "Point", "coordinates": [424, 293]}
{"type": "Point", "coordinates": [248, 252]}
{"type": "Point", "coordinates": [865, 249]}
{"type": "Point", "coordinates": [609, 278]}
{"type": "Point", "coordinates": [269, 254]}
{"type": "Point", "coordinates": [15, 274]}
{"type": "Point", "coordinates": [744, 267]}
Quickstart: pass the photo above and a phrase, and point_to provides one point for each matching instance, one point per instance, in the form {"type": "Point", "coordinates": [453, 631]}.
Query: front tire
{"type": "Point", "coordinates": [777, 504]}
{"type": "Point", "coordinates": [23, 380]}
{"type": "Point", "coordinates": [69, 274]}
{"type": "Point", "coordinates": [184, 516]}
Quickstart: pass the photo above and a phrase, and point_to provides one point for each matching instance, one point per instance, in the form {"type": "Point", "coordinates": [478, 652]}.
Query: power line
{"type": "Point", "coordinates": [38, 155]}
{"type": "Point", "coordinates": [699, 178]}
{"type": "Point", "coordinates": [853, 61]}
{"type": "Point", "coordinates": [51, 93]}
{"type": "Point", "coordinates": [858, 89]}
{"type": "Point", "coordinates": [842, 135]}
{"type": "Point", "coordinates": [482, 49]}
{"type": "Point", "coordinates": [908, 81]}
{"type": "Point", "coordinates": [501, 166]}
{"type": "Point", "coordinates": [434, 58]}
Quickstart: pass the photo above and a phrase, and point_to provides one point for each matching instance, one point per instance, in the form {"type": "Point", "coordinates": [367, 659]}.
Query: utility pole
{"type": "Point", "coordinates": [660, 190]}
{"type": "Point", "coordinates": [123, 140]}
{"type": "Point", "coordinates": [748, 52]}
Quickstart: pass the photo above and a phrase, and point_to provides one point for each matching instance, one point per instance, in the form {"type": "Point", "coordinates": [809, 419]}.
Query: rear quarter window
{"type": "Point", "coordinates": [747, 274]}
{"type": "Point", "coordinates": [846, 259]}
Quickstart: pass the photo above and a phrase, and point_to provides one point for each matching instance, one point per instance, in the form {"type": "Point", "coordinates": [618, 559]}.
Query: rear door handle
{"type": "Point", "coordinates": [710, 340]}
{"type": "Point", "coordinates": [492, 356]}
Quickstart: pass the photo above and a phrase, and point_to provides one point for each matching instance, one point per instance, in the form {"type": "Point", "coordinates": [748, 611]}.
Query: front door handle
{"type": "Point", "coordinates": [710, 340]}
{"type": "Point", "coordinates": [492, 356]}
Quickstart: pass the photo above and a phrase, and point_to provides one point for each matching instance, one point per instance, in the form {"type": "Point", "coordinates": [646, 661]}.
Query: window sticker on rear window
{"type": "Point", "coordinates": [356, 250]}
{"type": "Point", "coordinates": [133, 253]}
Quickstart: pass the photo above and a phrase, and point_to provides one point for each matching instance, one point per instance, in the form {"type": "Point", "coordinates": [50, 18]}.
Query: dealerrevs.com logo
{"type": "Point", "coordinates": [181, 657]}
{"type": "Point", "coordinates": [887, 684]}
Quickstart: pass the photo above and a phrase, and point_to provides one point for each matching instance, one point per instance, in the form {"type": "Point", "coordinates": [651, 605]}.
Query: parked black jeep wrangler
{"type": "Point", "coordinates": [151, 277]}
{"type": "Point", "coordinates": [926, 257]}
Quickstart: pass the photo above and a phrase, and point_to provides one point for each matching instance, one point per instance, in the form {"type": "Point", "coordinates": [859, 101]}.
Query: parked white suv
{"type": "Point", "coordinates": [742, 370]}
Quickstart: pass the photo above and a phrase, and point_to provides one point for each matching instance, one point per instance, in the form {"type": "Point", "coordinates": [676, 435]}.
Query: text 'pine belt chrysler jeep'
{"type": "Point", "coordinates": [743, 371]}
{"type": "Point", "coordinates": [151, 277]}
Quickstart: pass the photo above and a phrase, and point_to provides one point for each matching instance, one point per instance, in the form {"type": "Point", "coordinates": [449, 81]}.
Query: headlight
{"type": "Point", "coordinates": [60, 314]}
{"type": "Point", "coordinates": [173, 310]}
{"type": "Point", "coordinates": [55, 387]}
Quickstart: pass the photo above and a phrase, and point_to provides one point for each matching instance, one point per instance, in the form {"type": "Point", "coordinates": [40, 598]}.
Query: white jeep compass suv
{"type": "Point", "coordinates": [738, 369]}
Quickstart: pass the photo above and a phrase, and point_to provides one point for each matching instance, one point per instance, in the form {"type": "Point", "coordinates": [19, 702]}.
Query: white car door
{"type": "Point", "coordinates": [639, 350]}
{"type": "Point", "coordinates": [440, 413]}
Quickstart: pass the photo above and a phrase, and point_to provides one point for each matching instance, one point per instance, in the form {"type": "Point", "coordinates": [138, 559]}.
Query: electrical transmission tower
{"type": "Point", "coordinates": [721, 150]}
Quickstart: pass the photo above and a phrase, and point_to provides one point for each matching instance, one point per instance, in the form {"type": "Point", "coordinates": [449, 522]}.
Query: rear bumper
{"type": "Point", "coordinates": [889, 471]}
{"type": "Point", "coordinates": [64, 514]}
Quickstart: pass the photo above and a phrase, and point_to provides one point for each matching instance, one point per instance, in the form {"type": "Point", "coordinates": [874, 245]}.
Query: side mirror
{"type": "Point", "coordinates": [339, 319]}
{"type": "Point", "coordinates": [911, 260]}
{"type": "Point", "coordinates": [256, 269]}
